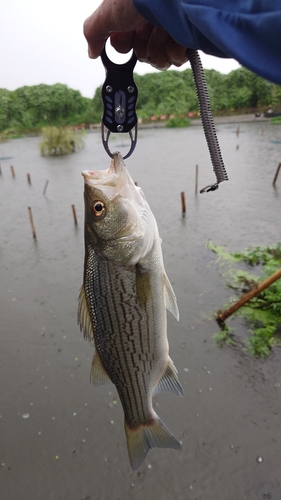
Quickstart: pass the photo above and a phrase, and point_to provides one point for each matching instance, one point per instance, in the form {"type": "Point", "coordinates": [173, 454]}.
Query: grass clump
{"type": "Point", "coordinates": [57, 141]}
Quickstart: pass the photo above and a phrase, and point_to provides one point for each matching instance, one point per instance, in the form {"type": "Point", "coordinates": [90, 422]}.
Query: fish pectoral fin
{"type": "Point", "coordinates": [84, 317]}
{"type": "Point", "coordinates": [99, 375]}
{"type": "Point", "coordinates": [143, 285]}
{"type": "Point", "coordinates": [152, 434]}
{"type": "Point", "coordinates": [170, 297]}
{"type": "Point", "coordinates": [169, 382]}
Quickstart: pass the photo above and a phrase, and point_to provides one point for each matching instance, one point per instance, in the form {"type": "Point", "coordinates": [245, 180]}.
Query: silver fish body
{"type": "Point", "coordinates": [122, 304]}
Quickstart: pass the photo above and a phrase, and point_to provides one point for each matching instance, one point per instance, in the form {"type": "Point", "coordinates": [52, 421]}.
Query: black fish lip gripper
{"type": "Point", "coordinates": [119, 95]}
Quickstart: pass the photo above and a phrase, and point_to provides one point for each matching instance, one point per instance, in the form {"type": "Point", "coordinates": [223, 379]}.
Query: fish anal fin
{"type": "Point", "coordinates": [99, 375]}
{"type": "Point", "coordinates": [84, 317]}
{"type": "Point", "coordinates": [170, 297]}
{"type": "Point", "coordinates": [169, 381]}
{"type": "Point", "coordinates": [152, 434]}
{"type": "Point", "coordinates": [143, 285]}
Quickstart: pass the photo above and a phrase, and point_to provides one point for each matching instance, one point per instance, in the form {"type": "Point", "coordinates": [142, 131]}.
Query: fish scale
{"type": "Point", "coordinates": [119, 341]}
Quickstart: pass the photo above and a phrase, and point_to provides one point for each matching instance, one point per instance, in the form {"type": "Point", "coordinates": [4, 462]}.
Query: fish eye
{"type": "Point", "coordinates": [98, 208]}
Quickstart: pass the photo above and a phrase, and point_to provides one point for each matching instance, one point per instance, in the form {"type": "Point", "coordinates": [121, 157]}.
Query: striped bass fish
{"type": "Point", "coordinates": [122, 304]}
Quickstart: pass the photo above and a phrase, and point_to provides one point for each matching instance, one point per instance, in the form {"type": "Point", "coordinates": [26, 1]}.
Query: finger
{"type": "Point", "coordinates": [96, 37]}
{"type": "Point", "coordinates": [176, 53]}
{"type": "Point", "coordinates": [149, 46]}
{"type": "Point", "coordinates": [122, 42]}
{"type": "Point", "coordinates": [141, 39]}
{"type": "Point", "coordinates": [156, 48]}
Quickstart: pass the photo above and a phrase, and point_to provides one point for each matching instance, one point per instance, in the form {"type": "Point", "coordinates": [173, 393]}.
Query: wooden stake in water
{"type": "Point", "coordinates": [238, 131]}
{"type": "Point", "coordinates": [196, 179]}
{"type": "Point", "coordinates": [183, 209]}
{"type": "Point", "coordinates": [74, 215]}
{"type": "Point", "coordinates": [32, 223]}
{"type": "Point", "coordinates": [28, 179]}
{"type": "Point", "coordinates": [13, 171]}
{"type": "Point", "coordinates": [0, 169]}
{"type": "Point", "coordinates": [276, 174]}
{"type": "Point", "coordinates": [45, 187]}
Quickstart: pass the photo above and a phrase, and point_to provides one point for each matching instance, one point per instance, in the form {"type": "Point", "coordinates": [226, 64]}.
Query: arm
{"type": "Point", "coordinates": [159, 31]}
{"type": "Point", "coordinates": [246, 30]}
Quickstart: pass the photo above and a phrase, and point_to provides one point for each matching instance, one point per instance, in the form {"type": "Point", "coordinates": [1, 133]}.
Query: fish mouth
{"type": "Point", "coordinates": [116, 167]}
{"type": "Point", "coordinates": [114, 181]}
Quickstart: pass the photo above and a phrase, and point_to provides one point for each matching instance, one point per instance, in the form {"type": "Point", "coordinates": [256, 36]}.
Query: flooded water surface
{"type": "Point", "coordinates": [63, 439]}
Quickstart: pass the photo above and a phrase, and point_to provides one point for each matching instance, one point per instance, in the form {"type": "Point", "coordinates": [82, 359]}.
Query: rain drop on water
{"type": "Point", "coordinates": [25, 415]}
{"type": "Point", "coordinates": [260, 460]}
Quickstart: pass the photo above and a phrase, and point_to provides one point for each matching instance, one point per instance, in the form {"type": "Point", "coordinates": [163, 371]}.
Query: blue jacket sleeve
{"type": "Point", "coordinates": [247, 30]}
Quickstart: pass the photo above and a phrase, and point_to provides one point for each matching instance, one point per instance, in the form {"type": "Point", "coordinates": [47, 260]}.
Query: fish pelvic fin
{"type": "Point", "coordinates": [170, 298]}
{"type": "Point", "coordinates": [98, 375]}
{"type": "Point", "coordinates": [152, 434]}
{"type": "Point", "coordinates": [84, 317]}
{"type": "Point", "coordinates": [169, 381]}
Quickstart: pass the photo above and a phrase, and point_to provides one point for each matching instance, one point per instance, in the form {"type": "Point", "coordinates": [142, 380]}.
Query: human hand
{"type": "Point", "coordinates": [127, 29]}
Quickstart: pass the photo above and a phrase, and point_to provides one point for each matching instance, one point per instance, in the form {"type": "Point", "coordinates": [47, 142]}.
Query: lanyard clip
{"type": "Point", "coordinates": [119, 95]}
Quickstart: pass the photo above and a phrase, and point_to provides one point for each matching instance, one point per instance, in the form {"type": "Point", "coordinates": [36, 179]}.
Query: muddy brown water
{"type": "Point", "coordinates": [63, 439]}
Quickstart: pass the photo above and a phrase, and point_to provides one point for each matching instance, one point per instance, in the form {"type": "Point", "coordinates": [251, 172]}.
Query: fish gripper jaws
{"type": "Point", "coordinates": [119, 95]}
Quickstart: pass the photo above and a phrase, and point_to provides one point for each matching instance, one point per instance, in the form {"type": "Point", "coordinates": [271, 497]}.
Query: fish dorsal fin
{"type": "Point", "coordinates": [83, 316]}
{"type": "Point", "coordinates": [98, 373]}
{"type": "Point", "coordinates": [169, 382]}
{"type": "Point", "coordinates": [170, 297]}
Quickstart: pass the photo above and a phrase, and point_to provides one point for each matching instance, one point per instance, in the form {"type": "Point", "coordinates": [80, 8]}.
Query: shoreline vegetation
{"type": "Point", "coordinates": [165, 99]}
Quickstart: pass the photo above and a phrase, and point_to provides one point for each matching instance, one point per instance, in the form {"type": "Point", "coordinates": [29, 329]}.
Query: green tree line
{"type": "Point", "coordinates": [162, 93]}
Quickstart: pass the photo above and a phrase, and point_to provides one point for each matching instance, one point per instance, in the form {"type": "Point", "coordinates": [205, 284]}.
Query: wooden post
{"type": "Point", "coordinates": [238, 131]}
{"type": "Point", "coordinates": [74, 215]}
{"type": "Point", "coordinates": [0, 169]}
{"type": "Point", "coordinates": [183, 209]}
{"type": "Point", "coordinates": [13, 171]}
{"type": "Point", "coordinates": [32, 223]}
{"type": "Point", "coordinates": [248, 296]}
{"type": "Point", "coordinates": [276, 174]}
{"type": "Point", "coordinates": [45, 187]}
{"type": "Point", "coordinates": [196, 179]}
{"type": "Point", "coordinates": [28, 179]}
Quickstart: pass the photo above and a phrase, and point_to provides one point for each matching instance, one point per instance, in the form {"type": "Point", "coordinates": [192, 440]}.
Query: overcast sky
{"type": "Point", "coordinates": [43, 42]}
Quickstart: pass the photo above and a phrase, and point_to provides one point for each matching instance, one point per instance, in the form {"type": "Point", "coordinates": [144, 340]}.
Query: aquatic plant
{"type": "Point", "coordinates": [263, 312]}
{"type": "Point", "coordinates": [59, 141]}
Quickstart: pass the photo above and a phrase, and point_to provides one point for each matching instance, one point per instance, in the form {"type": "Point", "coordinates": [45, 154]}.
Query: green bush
{"type": "Point", "coordinates": [59, 141]}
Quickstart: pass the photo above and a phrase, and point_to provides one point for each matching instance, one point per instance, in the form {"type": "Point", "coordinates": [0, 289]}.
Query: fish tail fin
{"type": "Point", "coordinates": [142, 437]}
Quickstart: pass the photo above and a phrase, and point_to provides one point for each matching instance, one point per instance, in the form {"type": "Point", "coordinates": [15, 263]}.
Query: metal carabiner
{"type": "Point", "coordinates": [119, 95]}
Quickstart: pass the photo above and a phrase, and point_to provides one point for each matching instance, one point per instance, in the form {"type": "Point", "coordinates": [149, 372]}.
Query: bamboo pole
{"type": "Point", "coordinates": [45, 187]}
{"type": "Point", "coordinates": [276, 174]}
{"type": "Point", "coordinates": [32, 223]}
{"type": "Point", "coordinates": [248, 296]}
{"type": "Point", "coordinates": [196, 179]}
{"type": "Point", "coordinates": [13, 171]}
{"type": "Point", "coordinates": [74, 215]}
{"type": "Point", "coordinates": [183, 208]}
{"type": "Point", "coordinates": [28, 179]}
